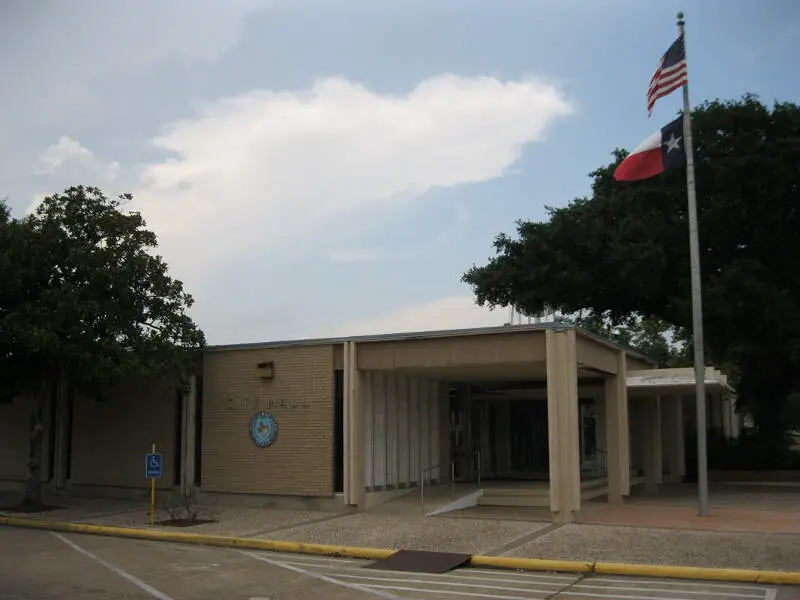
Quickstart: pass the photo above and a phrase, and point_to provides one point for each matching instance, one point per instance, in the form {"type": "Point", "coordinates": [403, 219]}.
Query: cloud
{"type": "Point", "coordinates": [453, 312]}
{"type": "Point", "coordinates": [275, 167]}
{"type": "Point", "coordinates": [66, 150]}
{"type": "Point", "coordinates": [68, 162]}
{"type": "Point", "coordinates": [351, 255]}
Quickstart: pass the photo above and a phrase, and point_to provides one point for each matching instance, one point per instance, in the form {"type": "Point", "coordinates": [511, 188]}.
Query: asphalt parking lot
{"type": "Point", "coordinates": [38, 564]}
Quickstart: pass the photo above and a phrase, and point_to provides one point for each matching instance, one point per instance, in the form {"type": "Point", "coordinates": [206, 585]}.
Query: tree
{"type": "Point", "coordinates": [85, 300]}
{"type": "Point", "coordinates": [651, 336]}
{"type": "Point", "coordinates": [624, 251]}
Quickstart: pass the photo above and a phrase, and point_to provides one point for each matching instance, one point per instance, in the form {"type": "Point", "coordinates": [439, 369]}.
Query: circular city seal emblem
{"type": "Point", "coordinates": [263, 429]}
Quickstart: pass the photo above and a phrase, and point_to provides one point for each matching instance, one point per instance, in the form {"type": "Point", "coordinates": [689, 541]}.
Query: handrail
{"type": "Point", "coordinates": [422, 472]}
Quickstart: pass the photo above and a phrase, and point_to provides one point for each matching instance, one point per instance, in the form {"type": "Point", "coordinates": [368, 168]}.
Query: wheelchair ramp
{"type": "Point", "coordinates": [418, 561]}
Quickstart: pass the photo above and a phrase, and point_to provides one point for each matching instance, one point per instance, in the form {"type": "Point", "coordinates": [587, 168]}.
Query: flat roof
{"type": "Point", "coordinates": [676, 378]}
{"type": "Point", "coordinates": [434, 334]}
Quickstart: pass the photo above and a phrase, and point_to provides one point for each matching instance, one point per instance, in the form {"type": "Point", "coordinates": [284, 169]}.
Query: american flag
{"type": "Point", "coordinates": [670, 74]}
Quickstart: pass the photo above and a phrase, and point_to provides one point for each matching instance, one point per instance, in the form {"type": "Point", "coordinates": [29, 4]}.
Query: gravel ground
{"type": "Point", "coordinates": [416, 533]}
{"type": "Point", "coordinates": [237, 522]}
{"type": "Point", "coordinates": [661, 546]}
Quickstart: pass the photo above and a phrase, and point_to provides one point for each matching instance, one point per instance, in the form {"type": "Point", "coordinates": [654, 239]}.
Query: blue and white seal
{"type": "Point", "coordinates": [263, 429]}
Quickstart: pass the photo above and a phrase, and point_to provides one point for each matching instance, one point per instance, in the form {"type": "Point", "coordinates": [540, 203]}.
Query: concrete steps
{"type": "Point", "coordinates": [535, 494]}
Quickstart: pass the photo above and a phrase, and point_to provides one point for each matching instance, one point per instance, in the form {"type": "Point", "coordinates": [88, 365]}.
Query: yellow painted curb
{"type": "Point", "coordinates": [531, 564]}
{"type": "Point", "coordinates": [496, 562]}
{"type": "Point", "coordinates": [704, 573]}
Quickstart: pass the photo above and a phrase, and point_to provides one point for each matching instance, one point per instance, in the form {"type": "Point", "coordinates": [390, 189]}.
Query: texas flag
{"type": "Point", "coordinates": [662, 151]}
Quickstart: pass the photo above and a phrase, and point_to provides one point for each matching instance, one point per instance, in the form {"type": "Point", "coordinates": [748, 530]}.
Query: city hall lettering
{"type": "Point", "coordinates": [265, 404]}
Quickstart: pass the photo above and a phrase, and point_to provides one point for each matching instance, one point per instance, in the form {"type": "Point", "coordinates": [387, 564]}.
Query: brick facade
{"type": "Point", "coordinates": [299, 396]}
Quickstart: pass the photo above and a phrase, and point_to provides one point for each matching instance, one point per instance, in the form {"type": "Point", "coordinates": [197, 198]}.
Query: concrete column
{"type": "Point", "coordinates": [672, 438]}
{"type": "Point", "coordinates": [617, 432]}
{"type": "Point", "coordinates": [727, 417]}
{"type": "Point", "coordinates": [354, 438]}
{"type": "Point", "coordinates": [61, 423]}
{"type": "Point", "coordinates": [189, 429]}
{"type": "Point", "coordinates": [651, 427]}
{"type": "Point", "coordinates": [502, 436]}
{"type": "Point", "coordinates": [562, 417]}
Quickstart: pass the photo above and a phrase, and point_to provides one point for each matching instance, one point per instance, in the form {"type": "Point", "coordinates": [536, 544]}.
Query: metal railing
{"type": "Point", "coordinates": [601, 456]}
{"type": "Point", "coordinates": [422, 473]}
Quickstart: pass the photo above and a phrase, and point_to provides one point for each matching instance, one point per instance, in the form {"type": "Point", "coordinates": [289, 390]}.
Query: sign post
{"type": "Point", "coordinates": [153, 465]}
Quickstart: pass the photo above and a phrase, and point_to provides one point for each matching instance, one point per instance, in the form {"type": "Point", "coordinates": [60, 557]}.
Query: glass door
{"type": "Point", "coordinates": [588, 433]}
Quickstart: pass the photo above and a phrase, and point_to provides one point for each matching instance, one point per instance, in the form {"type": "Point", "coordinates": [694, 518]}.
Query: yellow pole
{"type": "Point", "coordinates": [153, 496]}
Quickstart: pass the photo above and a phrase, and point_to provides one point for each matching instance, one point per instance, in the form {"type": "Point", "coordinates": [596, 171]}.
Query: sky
{"type": "Point", "coordinates": [319, 168]}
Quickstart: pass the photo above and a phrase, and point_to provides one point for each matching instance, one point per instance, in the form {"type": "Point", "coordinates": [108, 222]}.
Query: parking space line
{"type": "Point", "coordinates": [553, 587]}
{"type": "Point", "coordinates": [635, 588]}
{"type": "Point", "coordinates": [514, 585]}
{"type": "Point", "coordinates": [493, 576]}
{"type": "Point", "coordinates": [321, 577]}
{"type": "Point", "coordinates": [469, 594]}
{"type": "Point", "coordinates": [124, 574]}
{"type": "Point", "coordinates": [685, 584]}
{"type": "Point", "coordinates": [322, 559]}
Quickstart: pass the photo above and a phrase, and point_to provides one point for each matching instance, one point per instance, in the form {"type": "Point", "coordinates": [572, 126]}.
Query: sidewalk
{"type": "Point", "coordinates": [655, 538]}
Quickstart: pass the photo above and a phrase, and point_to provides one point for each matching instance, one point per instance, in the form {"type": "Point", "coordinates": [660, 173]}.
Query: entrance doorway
{"type": "Point", "coordinates": [507, 439]}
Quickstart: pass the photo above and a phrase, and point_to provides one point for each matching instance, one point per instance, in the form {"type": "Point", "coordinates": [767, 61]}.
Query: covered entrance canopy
{"type": "Point", "coordinates": [551, 360]}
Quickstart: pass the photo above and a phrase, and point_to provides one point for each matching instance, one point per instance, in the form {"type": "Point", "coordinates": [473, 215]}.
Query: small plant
{"type": "Point", "coordinates": [186, 512]}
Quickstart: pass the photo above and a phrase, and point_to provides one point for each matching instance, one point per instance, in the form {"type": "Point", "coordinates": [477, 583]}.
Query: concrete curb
{"type": "Point", "coordinates": [496, 562]}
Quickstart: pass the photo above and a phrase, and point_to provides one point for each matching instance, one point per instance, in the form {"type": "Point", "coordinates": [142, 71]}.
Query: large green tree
{"type": "Point", "coordinates": [85, 300]}
{"type": "Point", "coordinates": [624, 251]}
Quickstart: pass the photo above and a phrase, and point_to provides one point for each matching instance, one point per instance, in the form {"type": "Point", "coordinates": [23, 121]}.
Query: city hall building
{"type": "Point", "coordinates": [531, 415]}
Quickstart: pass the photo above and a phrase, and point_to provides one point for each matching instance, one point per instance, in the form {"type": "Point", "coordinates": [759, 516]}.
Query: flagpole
{"type": "Point", "coordinates": [697, 299]}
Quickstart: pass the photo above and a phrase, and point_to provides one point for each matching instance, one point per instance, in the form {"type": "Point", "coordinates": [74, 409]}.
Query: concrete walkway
{"type": "Point", "coordinates": [641, 533]}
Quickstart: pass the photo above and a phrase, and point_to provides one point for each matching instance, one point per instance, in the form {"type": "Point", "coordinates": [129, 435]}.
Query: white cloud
{"type": "Point", "coordinates": [66, 150]}
{"type": "Point", "coordinates": [454, 312]}
{"type": "Point", "coordinates": [275, 166]}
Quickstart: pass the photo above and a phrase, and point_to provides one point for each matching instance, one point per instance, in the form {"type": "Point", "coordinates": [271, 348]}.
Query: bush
{"type": "Point", "coordinates": [748, 452]}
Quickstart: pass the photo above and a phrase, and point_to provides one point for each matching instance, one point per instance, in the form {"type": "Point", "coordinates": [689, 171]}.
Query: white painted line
{"type": "Point", "coordinates": [770, 593]}
{"type": "Point", "coordinates": [525, 574]}
{"type": "Point", "coordinates": [470, 594]}
{"type": "Point", "coordinates": [680, 583]}
{"type": "Point", "coordinates": [552, 586]}
{"type": "Point", "coordinates": [511, 577]}
{"type": "Point", "coordinates": [321, 559]}
{"type": "Point", "coordinates": [675, 595]}
{"type": "Point", "coordinates": [124, 574]}
{"type": "Point", "coordinates": [634, 588]}
{"type": "Point", "coordinates": [319, 576]}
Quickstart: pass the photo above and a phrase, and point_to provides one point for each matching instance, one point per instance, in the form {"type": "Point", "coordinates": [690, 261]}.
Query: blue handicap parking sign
{"type": "Point", "coordinates": [153, 465]}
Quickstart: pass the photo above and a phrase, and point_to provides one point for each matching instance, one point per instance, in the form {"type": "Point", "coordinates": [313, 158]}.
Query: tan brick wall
{"type": "Point", "coordinates": [300, 396]}
{"type": "Point", "coordinates": [111, 437]}
{"type": "Point", "coordinates": [14, 428]}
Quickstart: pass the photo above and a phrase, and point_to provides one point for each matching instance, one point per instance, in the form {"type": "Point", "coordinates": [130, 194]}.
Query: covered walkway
{"type": "Point", "coordinates": [403, 424]}
{"type": "Point", "coordinates": [543, 415]}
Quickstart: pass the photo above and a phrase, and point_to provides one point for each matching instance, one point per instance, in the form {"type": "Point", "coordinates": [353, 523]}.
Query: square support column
{"type": "Point", "coordinates": [562, 417]}
{"type": "Point", "coordinates": [617, 432]}
{"type": "Point", "coordinates": [354, 416]}
{"type": "Point", "coordinates": [672, 438]}
{"type": "Point", "coordinates": [189, 438]}
{"type": "Point", "coordinates": [651, 425]}
{"type": "Point", "coordinates": [62, 423]}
